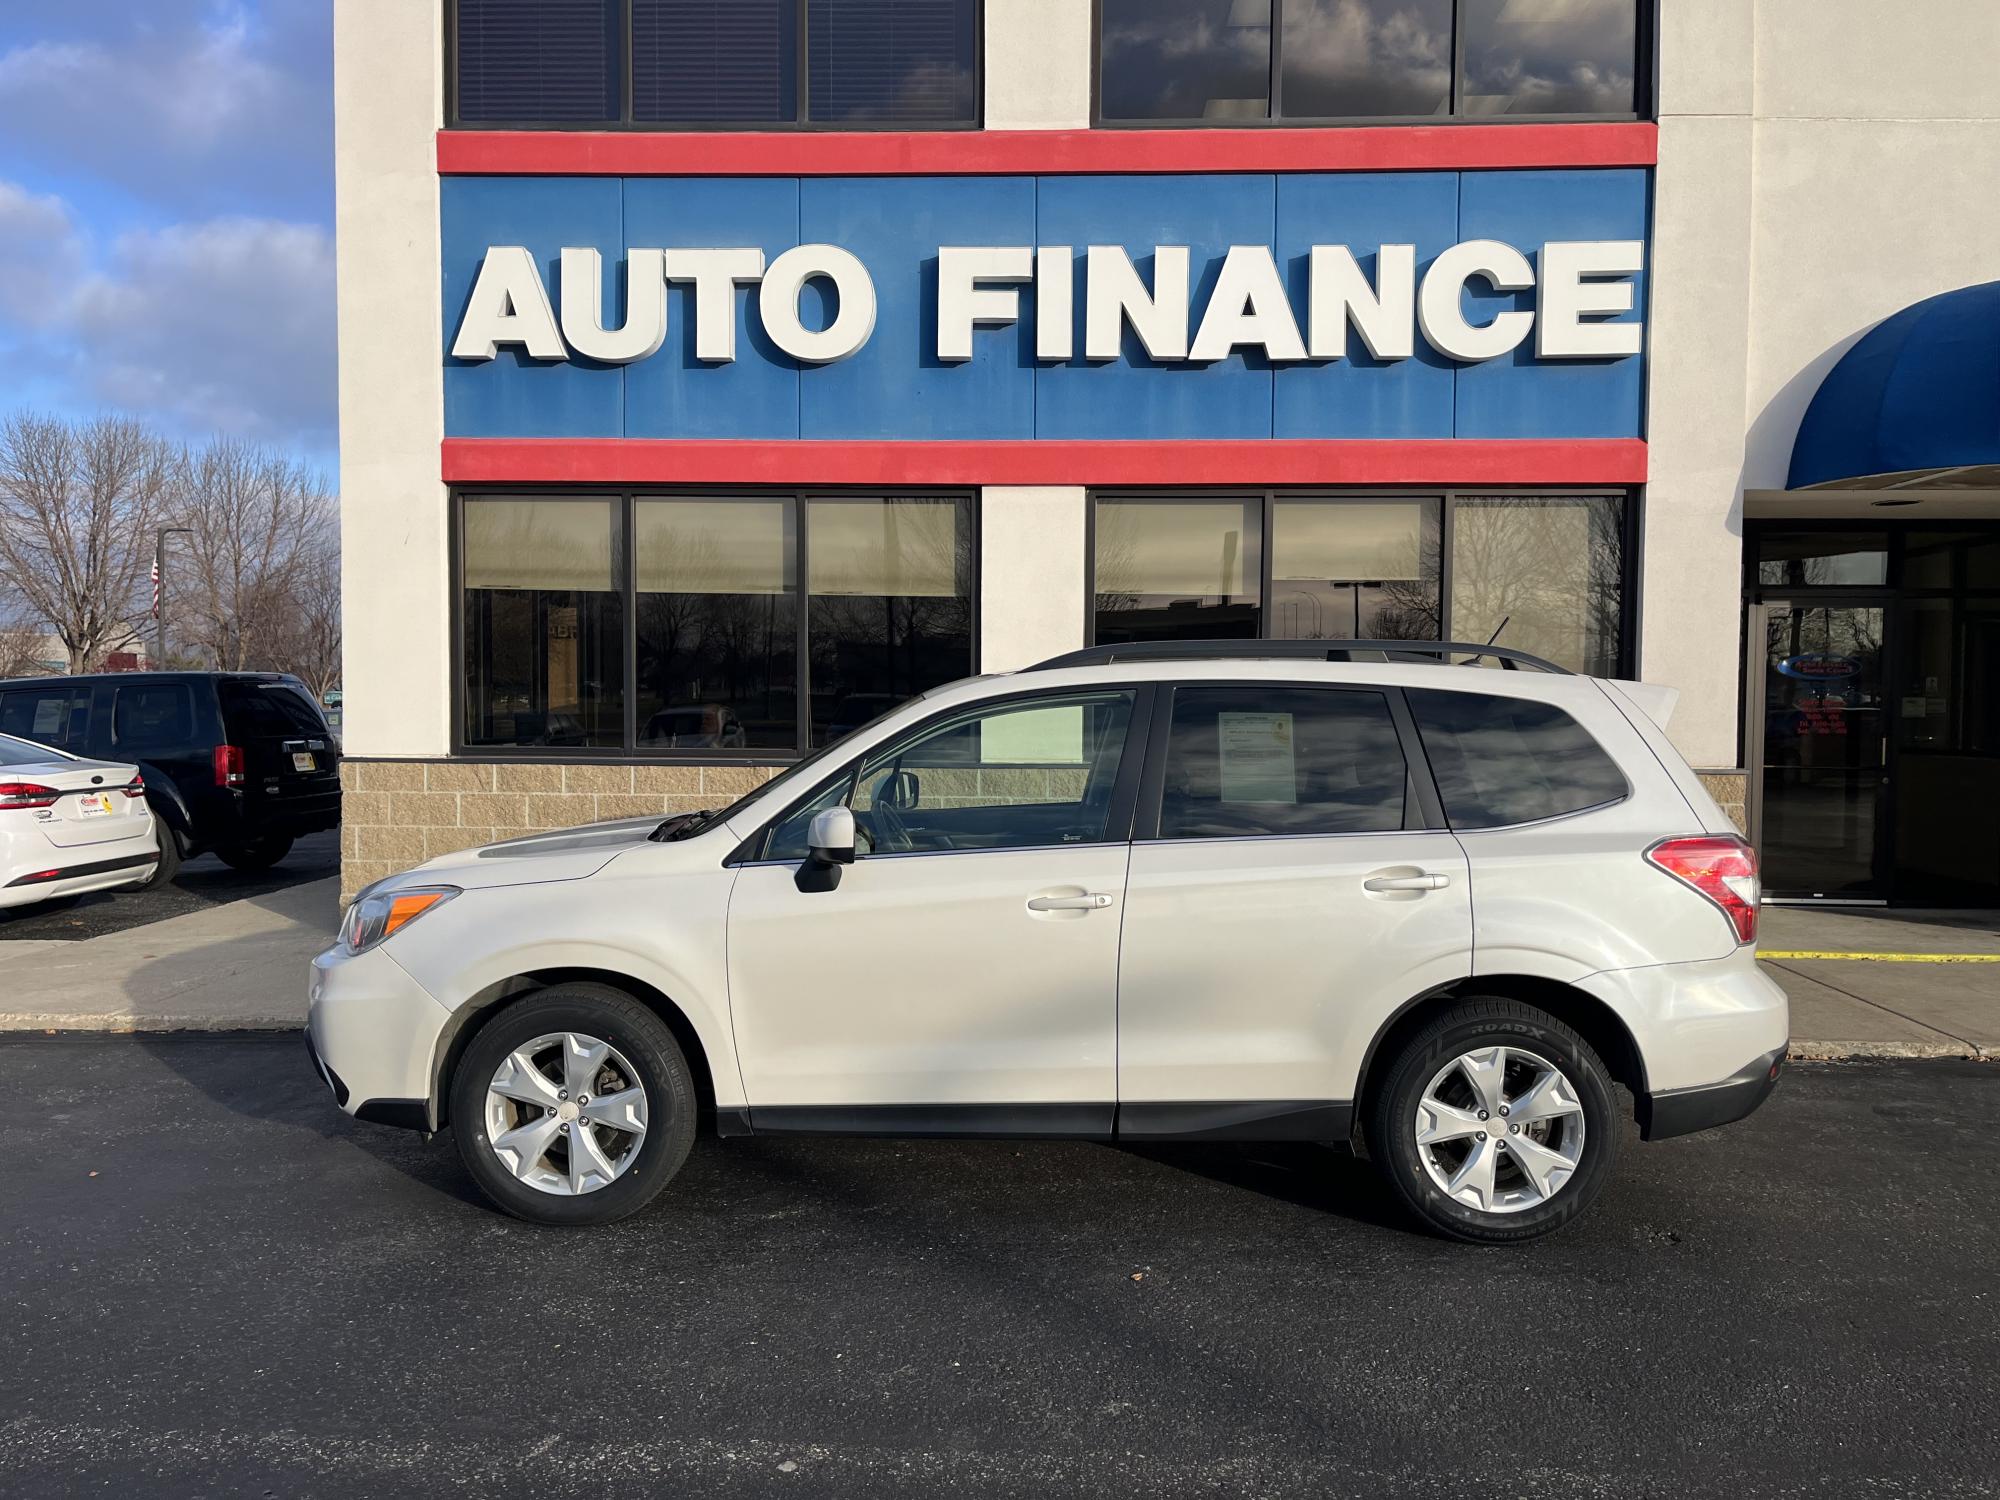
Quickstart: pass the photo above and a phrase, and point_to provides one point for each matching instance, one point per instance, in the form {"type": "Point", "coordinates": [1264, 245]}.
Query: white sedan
{"type": "Point", "coordinates": [69, 825]}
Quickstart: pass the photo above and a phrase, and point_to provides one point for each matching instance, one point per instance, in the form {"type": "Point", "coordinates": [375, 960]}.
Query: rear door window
{"type": "Point", "coordinates": [46, 715]}
{"type": "Point", "coordinates": [1500, 761]}
{"type": "Point", "coordinates": [152, 716]}
{"type": "Point", "coordinates": [1249, 761]}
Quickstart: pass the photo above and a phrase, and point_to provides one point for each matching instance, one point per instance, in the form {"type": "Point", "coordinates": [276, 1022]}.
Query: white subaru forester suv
{"type": "Point", "coordinates": [1245, 891]}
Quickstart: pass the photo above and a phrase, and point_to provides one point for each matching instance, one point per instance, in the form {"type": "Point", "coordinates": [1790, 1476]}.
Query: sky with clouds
{"type": "Point", "coordinates": [166, 215]}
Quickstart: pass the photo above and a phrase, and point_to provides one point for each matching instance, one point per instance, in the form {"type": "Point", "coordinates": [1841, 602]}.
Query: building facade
{"type": "Point", "coordinates": [716, 374]}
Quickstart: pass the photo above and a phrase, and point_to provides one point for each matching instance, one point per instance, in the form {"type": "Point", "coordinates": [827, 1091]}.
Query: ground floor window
{"type": "Point", "coordinates": [715, 624]}
{"type": "Point", "coordinates": [1544, 573]}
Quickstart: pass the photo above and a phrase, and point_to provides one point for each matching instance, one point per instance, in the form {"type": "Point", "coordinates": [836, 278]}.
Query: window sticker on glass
{"type": "Point", "coordinates": [1257, 763]}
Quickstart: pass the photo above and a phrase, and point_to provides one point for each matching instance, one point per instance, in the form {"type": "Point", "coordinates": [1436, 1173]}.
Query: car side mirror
{"type": "Point", "coordinates": [830, 837]}
{"type": "Point", "coordinates": [901, 792]}
{"type": "Point", "coordinates": [829, 845]}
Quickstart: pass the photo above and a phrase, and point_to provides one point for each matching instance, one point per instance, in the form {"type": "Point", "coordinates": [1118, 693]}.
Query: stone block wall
{"type": "Point", "coordinates": [399, 813]}
{"type": "Point", "coordinates": [1729, 789]}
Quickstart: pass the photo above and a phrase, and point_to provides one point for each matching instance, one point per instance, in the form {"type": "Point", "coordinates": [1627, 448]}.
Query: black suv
{"type": "Point", "coordinates": [240, 763]}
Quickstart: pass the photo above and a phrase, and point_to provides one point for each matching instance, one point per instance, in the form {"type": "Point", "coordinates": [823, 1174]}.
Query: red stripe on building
{"type": "Point", "coordinates": [1364, 148]}
{"type": "Point", "coordinates": [650, 461]}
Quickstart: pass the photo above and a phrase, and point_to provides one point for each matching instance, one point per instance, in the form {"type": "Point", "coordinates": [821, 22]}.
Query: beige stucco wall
{"type": "Point", "coordinates": [388, 103]}
{"type": "Point", "coordinates": [1031, 573]}
{"type": "Point", "coordinates": [1823, 163]}
{"type": "Point", "coordinates": [1037, 64]}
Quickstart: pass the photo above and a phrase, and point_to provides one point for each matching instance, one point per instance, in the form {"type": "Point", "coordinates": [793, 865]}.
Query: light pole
{"type": "Point", "coordinates": [160, 592]}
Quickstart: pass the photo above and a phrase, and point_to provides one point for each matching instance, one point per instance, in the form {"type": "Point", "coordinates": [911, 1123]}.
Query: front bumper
{"type": "Point", "coordinates": [373, 1033]}
{"type": "Point", "coordinates": [1684, 1111]}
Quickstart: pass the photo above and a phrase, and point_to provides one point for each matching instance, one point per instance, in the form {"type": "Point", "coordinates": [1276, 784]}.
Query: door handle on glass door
{"type": "Point", "coordinates": [1090, 902]}
{"type": "Point", "coordinates": [1406, 883]}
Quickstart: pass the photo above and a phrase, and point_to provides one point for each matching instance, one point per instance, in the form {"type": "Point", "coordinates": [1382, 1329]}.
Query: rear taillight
{"type": "Point", "coordinates": [1723, 868]}
{"type": "Point", "coordinates": [229, 765]}
{"type": "Point", "coordinates": [136, 787]}
{"type": "Point", "coordinates": [18, 794]}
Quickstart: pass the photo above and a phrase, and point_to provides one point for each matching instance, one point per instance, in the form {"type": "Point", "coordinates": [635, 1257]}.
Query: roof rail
{"type": "Point", "coordinates": [1437, 653]}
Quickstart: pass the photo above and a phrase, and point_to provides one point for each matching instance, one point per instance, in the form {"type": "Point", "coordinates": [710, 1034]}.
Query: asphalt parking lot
{"type": "Point", "coordinates": [201, 883]}
{"type": "Point", "coordinates": [211, 1283]}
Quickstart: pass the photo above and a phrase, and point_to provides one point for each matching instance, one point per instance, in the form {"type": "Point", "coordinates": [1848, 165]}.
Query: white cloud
{"type": "Point", "coordinates": [208, 106]}
{"type": "Point", "coordinates": [41, 257]}
{"type": "Point", "coordinates": [225, 326]}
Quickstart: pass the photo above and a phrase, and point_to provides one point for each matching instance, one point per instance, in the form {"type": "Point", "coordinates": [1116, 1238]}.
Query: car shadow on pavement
{"type": "Point", "coordinates": [288, 1093]}
{"type": "Point", "coordinates": [1306, 1174]}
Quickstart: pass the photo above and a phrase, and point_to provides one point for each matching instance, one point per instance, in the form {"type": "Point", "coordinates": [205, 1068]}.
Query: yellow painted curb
{"type": "Point", "coordinates": [1891, 958]}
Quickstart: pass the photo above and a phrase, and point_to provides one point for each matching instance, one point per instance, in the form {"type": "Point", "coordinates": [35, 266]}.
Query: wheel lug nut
{"type": "Point", "coordinates": [1482, 1114]}
{"type": "Point", "coordinates": [1513, 1130]}
{"type": "Point", "coordinates": [551, 1111]}
{"type": "Point", "coordinates": [562, 1093]}
{"type": "Point", "coordinates": [1482, 1135]}
{"type": "Point", "coordinates": [1503, 1109]}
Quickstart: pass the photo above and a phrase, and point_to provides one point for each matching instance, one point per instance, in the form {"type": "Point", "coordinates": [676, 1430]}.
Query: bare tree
{"type": "Point", "coordinates": [259, 524]}
{"type": "Point", "coordinates": [78, 508]}
{"type": "Point", "coordinates": [305, 639]}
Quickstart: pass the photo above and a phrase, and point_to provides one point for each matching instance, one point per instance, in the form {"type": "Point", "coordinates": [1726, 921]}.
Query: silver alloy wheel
{"type": "Point", "coordinates": [565, 1113]}
{"type": "Point", "coordinates": [1500, 1129]}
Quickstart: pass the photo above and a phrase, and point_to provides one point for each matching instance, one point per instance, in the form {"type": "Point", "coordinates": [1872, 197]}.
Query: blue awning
{"type": "Point", "coordinates": [1920, 391]}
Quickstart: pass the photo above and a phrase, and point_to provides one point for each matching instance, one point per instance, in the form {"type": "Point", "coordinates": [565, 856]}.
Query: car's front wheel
{"type": "Point", "coordinates": [1496, 1122]}
{"type": "Point", "coordinates": [573, 1106]}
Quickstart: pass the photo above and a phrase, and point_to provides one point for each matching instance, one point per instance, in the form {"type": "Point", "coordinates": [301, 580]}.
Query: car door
{"type": "Point", "coordinates": [1291, 887]}
{"type": "Point", "coordinates": [961, 976]}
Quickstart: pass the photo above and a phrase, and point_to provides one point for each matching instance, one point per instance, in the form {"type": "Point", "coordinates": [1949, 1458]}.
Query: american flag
{"type": "Point", "coordinates": [156, 588]}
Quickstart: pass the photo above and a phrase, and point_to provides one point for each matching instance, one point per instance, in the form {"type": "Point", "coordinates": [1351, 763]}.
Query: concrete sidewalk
{"type": "Point", "coordinates": [236, 966]}
{"type": "Point", "coordinates": [243, 966]}
{"type": "Point", "coordinates": [1935, 994]}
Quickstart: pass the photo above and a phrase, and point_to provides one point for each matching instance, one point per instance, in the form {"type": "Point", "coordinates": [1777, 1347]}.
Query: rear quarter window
{"type": "Point", "coordinates": [268, 708]}
{"type": "Point", "coordinates": [1500, 761]}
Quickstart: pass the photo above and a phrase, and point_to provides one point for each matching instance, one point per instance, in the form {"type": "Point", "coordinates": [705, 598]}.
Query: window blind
{"type": "Point", "coordinates": [529, 61]}
{"type": "Point", "coordinates": [891, 61]}
{"type": "Point", "coordinates": [715, 62]}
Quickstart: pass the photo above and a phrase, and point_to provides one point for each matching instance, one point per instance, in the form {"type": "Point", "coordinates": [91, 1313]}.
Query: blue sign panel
{"type": "Point", "coordinates": [1554, 255]}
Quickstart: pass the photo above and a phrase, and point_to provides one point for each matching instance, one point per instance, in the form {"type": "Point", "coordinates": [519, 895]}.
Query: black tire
{"type": "Point", "coordinates": [170, 856]}
{"type": "Point", "coordinates": [1470, 1026]}
{"type": "Point", "coordinates": [645, 1042]}
{"type": "Point", "coordinates": [257, 855]}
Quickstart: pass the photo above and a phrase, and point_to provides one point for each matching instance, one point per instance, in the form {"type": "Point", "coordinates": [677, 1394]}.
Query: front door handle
{"type": "Point", "coordinates": [1406, 883]}
{"type": "Point", "coordinates": [1090, 902]}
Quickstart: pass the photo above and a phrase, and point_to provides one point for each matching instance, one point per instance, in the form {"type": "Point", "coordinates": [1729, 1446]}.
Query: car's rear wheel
{"type": "Point", "coordinates": [170, 856]}
{"type": "Point", "coordinates": [573, 1106]}
{"type": "Point", "coordinates": [1496, 1123]}
{"type": "Point", "coordinates": [256, 855]}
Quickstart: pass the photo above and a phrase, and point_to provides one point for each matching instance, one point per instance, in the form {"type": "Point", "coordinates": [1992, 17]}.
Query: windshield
{"type": "Point", "coordinates": [686, 825]}
{"type": "Point", "coordinates": [15, 752]}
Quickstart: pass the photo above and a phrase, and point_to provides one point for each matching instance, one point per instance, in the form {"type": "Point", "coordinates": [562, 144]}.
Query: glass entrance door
{"type": "Point", "coordinates": [1824, 757]}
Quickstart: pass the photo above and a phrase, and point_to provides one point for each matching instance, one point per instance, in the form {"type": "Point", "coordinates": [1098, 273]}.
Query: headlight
{"type": "Point", "coordinates": [373, 918]}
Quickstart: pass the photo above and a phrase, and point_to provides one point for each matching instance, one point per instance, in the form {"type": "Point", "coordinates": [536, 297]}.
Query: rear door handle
{"type": "Point", "coordinates": [1406, 883]}
{"type": "Point", "coordinates": [1090, 902]}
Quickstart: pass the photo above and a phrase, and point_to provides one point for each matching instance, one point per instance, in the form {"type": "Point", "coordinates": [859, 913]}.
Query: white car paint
{"type": "Point", "coordinates": [1251, 969]}
{"type": "Point", "coordinates": [70, 819]}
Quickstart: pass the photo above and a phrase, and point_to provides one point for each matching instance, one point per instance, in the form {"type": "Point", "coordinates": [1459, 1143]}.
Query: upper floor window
{"type": "Point", "coordinates": [702, 64]}
{"type": "Point", "coordinates": [1231, 62]}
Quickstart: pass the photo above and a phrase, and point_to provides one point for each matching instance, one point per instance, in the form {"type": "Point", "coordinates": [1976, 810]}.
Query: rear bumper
{"type": "Point", "coordinates": [79, 878]}
{"type": "Point", "coordinates": [1684, 1111]}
